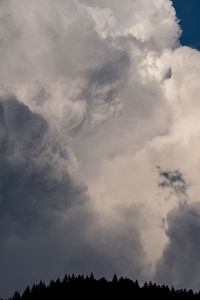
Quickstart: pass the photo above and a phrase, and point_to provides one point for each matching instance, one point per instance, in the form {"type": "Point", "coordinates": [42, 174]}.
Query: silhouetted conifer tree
{"type": "Point", "coordinates": [78, 287]}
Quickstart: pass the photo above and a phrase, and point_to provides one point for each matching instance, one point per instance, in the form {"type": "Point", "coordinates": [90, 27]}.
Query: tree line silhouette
{"type": "Point", "coordinates": [80, 287]}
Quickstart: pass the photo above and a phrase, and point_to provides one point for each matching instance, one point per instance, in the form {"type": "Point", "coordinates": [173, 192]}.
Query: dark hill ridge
{"type": "Point", "coordinates": [80, 287]}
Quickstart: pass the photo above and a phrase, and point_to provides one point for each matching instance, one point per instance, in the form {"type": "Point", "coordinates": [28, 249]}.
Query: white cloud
{"type": "Point", "coordinates": [121, 97]}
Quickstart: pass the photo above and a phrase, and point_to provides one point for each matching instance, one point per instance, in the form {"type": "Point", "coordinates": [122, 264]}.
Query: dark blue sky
{"type": "Point", "coordinates": [188, 11]}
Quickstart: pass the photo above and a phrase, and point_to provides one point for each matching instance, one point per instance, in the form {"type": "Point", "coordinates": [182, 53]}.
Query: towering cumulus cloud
{"type": "Point", "coordinates": [93, 96]}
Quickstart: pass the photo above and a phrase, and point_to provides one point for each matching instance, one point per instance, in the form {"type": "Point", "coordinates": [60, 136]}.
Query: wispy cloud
{"type": "Point", "coordinates": [175, 181]}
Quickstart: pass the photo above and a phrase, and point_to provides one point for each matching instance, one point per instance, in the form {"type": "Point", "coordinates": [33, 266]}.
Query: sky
{"type": "Point", "coordinates": [188, 14]}
{"type": "Point", "coordinates": [99, 141]}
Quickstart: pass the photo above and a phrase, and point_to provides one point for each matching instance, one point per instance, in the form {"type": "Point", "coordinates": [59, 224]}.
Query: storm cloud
{"type": "Point", "coordinates": [46, 220]}
{"type": "Point", "coordinates": [179, 265]}
{"type": "Point", "coordinates": [30, 177]}
{"type": "Point", "coordinates": [102, 92]}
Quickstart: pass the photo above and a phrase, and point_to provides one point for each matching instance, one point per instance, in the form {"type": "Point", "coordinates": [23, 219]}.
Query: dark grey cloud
{"type": "Point", "coordinates": [47, 224]}
{"type": "Point", "coordinates": [29, 187]}
{"type": "Point", "coordinates": [174, 181]}
{"type": "Point", "coordinates": [180, 263]}
{"type": "Point", "coordinates": [34, 193]}
{"type": "Point", "coordinates": [67, 248]}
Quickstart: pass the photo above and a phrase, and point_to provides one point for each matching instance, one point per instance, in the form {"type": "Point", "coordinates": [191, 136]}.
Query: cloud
{"type": "Point", "coordinates": [36, 191]}
{"type": "Point", "coordinates": [179, 265]}
{"type": "Point", "coordinates": [106, 93]}
{"type": "Point", "coordinates": [48, 226]}
{"type": "Point", "coordinates": [175, 181]}
{"type": "Point", "coordinates": [64, 54]}
{"type": "Point", "coordinates": [33, 185]}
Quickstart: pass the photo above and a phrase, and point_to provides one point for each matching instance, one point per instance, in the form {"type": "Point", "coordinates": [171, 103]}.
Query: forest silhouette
{"type": "Point", "coordinates": [80, 287]}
